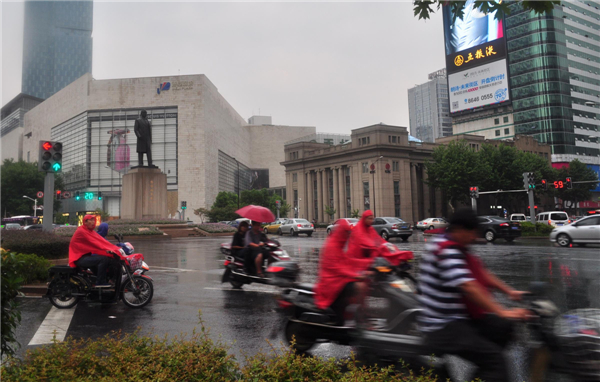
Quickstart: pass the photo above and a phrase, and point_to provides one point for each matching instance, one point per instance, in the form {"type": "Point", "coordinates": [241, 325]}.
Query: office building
{"type": "Point", "coordinates": [57, 45]}
{"type": "Point", "coordinates": [13, 114]}
{"type": "Point", "coordinates": [429, 110]}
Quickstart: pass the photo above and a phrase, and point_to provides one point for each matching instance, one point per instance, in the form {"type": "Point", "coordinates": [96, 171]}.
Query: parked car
{"type": "Point", "coordinates": [273, 227]}
{"type": "Point", "coordinates": [494, 227]}
{"type": "Point", "coordinates": [296, 226]}
{"type": "Point", "coordinates": [518, 218]}
{"type": "Point", "coordinates": [584, 231]}
{"type": "Point", "coordinates": [350, 221]}
{"type": "Point", "coordinates": [553, 218]}
{"type": "Point", "coordinates": [432, 223]}
{"type": "Point", "coordinates": [33, 227]}
{"type": "Point", "coordinates": [12, 226]}
{"type": "Point", "coordinates": [237, 222]}
{"type": "Point", "coordinates": [392, 227]}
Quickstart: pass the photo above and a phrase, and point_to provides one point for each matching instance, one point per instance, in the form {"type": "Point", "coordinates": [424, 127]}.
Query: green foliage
{"type": "Point", "coordinates": [45, 244]}
{"type": "Point", "coordinates": [103, 215]}
{"type": "Point", "coordinates": [330, 211]}
{"type": "Point", "coordinates": [22, 178]}
{"type": "Point", "coordinates": [219, 214]}
{"type": "Point", "coordinates": [537, 229]}
{"type": "Point", "coordinates": [203, 213]}
{"type": "Point", "coordinates": [11, 281]}
{"type": "Point", "coordinates": [424, 8]}
{"type": "Point", "coordinates": [355, 214]}
{"type": "Point", "coordinates": [226, 199]}
{"type": "Point", "coordinates": [119, 229]}
{"type": "Point", "coordinates": [32, 268]}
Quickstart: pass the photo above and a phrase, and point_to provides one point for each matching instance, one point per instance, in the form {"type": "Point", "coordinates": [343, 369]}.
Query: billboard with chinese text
{"type": "Point", "coordinates": [475, 59]}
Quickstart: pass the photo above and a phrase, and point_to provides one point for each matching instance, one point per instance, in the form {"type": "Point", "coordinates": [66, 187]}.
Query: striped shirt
{"type": "Point", "coordinates": [442, 270]}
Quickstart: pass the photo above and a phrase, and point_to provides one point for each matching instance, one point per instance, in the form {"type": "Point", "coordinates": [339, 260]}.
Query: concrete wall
{"type": "Point", "coordinates": [12, 146]}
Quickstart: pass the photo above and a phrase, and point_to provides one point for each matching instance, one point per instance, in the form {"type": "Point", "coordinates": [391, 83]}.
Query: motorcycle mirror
{"type": "Point", "coordinates": [117, 237]}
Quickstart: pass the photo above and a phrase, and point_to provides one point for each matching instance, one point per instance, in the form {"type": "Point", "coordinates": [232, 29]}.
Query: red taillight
{"type": "Point", "coordinates": [569, 222]}
{"type": "Point", "coordinates": [312, 226]}
{"type": "Point", "coordinates": [424, 223]}
{"type": "Point", "coordinates": [549, 222]}
{"type": "Point", "coordinates": [227, 262]}
{"type": "Point", "coordinates": [504, 225]}
{"type": "Point", "coordinates": [284, 304]}
{"type": "Point", "coordinates": [394, 226]}
{"type": "Point", "coordinates": [275, 269]}
{"type": "Point", "coordinates": [300, 225]}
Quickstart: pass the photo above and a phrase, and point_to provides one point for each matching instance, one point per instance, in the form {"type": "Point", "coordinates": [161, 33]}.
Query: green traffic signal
{"type": "Point", "coordinates": [56, 167]}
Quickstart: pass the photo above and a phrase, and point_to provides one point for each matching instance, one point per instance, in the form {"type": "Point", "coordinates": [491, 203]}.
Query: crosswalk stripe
{"type": "Point", "coordinates": [57, 322]}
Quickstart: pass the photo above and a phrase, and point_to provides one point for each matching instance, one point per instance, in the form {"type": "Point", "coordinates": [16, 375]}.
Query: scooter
{"type": "Point", "coordinates": [235, 271]}
{"type": "Point", "coordinates": [68, 285]}
{"type": "Point", "coordinates": [306, 325]}
{"type": "Point", "coordinates": [128, 249]}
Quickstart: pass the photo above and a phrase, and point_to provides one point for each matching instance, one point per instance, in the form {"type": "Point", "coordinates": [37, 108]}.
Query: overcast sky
{"type": "Point", "coordinates": [336, 66]}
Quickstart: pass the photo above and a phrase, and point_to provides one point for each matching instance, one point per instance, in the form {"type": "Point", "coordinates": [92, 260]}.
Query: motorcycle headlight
{"type": "Point", "coordinates": [272, 244]}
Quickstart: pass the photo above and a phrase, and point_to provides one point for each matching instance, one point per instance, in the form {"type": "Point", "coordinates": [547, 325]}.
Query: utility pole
{"type": "Point", "coordinates": [374, 191]}
{"type": "Point", "coordinates": [529, 184]}
{"type": "Point", "coordinates": [48, 202]}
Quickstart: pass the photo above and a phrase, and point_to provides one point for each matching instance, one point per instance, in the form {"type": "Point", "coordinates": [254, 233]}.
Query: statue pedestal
{"type": "Point", "coordinates": [144, 194]}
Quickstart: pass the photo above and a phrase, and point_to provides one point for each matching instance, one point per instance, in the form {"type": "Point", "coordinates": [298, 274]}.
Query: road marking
{"type": "Point", "coordinates": [57, 320]}
{"type": "Point", "coordinates": [246, 289]}
{"type": "Point", "coordinates": [175, 269]}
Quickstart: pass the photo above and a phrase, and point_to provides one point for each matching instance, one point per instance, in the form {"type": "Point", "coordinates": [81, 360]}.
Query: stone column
{"type": "Point", "coordinates": [320, 203]}
{"type": "Point", "coordinates": [342, 191]}
{"type": "Point", "coordinates": [428, 209]}
{"type": "Point", "coordinates": [406, 211]}
{"type": "Point", "coordinates": [310, 208]}
{"type": "Point", "coordinates": [414, 191]}
{"type": "Point", "coordinates": [336, 192]}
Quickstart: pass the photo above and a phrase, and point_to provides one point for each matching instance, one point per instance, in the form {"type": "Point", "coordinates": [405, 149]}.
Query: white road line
{"type": "Point", "coordinates": [174, 269]}
{"type": "Point", "coordinates": [57, 320]}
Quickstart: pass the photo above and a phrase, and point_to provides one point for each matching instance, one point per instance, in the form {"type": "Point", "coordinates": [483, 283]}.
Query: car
{"type": "Point", "coordinates": [392, 227]}
{"type": "Point", "coordinates": [518, 217]}
{"type": "Point", "coordinates": [273, 227]}
{"type": "Point", "coordinates": [432, 223]}
{"type": "Point", "coordinates": [584, 231]}
{"type": "Point", "coordinates": [33, 227]}
{"type": "Point", "coordinates": [351, 221]}
{"type": "Point", "coordinates": [296, 226]}
{"type": "Point", "coordinates": [494, 227]}
{"type": "Point", "coordinates": [553, 218]}
{"type": "Point", "coordinates": [12, 226]}
{"type": "Point", "coordinates": [237, 222]}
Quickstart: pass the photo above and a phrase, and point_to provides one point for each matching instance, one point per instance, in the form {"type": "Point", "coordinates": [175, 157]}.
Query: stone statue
{"type": "Point", "coordinates": [143, 132]}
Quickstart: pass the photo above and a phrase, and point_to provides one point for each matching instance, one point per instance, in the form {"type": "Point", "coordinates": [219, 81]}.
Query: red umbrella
{"type": "Point", "coordinates": [256, 213]}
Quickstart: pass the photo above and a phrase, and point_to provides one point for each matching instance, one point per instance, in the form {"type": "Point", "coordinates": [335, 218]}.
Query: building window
{"type": "Point", "coordinates": [28, 152]}
{"type": "Point", "coordinates": [328, 141]}
{"type": "Point", "coordinates": [365, 141]}
{"type": "Point", "coordinates": [505, 119]}
{"type": "Point", "coordinates": [496, 121]}
{"type": "Point", "coordinates": [348, 198]}
{"type": "Point", "coordinates": [395, 166]}
{"type": "Point", "coordinates": [506, 131]}
{"type": "Point", "coordinates": [397, 198]}
{"type": "Point", "coordinates": [497, 133]}
{"type": "Point", "coordinates": [295, 177]}
{"type": "Point", "coordinates": [365, 167]}
{"type": "Point", "coordinates": [294, 155]}
{"type": "Point", "coordinates": [295, 203]}
{"type": "Point", "coordinates": [367, 203]}
{"type": "Point", "coordinates": [394, 139]}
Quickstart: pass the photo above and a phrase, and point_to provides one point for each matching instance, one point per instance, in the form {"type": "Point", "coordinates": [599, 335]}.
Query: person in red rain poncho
{"type": "Point", "coordinates": [90, 250]}
{"type": "Point", "coordinates": [339, 276]}
{"type": "Point", "coordinates": [364, 240]}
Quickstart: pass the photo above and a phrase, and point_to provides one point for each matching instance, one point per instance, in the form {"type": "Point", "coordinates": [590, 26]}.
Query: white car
{"type": "Point", "coordinates": [553, 218]}
{"type": "Point", "coordinates": [518, 217]}
{"type": "Point", "coordinates": [296, 226]}
{"type": "Point", "coordinates": [432, 223]}
{"type": "Point", "coordinates": [351, 221]}
{"type": "Point", "coordinates": [583, 231]}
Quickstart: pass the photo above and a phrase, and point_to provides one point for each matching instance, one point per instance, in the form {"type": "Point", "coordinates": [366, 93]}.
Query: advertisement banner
{"type": "Point", "coordinates": [480, 86]}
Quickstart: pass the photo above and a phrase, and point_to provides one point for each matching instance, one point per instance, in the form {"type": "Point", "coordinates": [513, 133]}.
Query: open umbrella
{"type": "Point", "coordinates": [256, 213]}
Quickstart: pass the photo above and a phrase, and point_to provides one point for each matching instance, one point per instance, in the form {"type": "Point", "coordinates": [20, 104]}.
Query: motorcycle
{"type": "Point", "coordinates": [128, 249]}
{"type": "Point", "coordinates": [68, 285]}
{"type": "Point", "coordinates": [235, 272]}
{"type": "Point", "coordinates": [307, 325]}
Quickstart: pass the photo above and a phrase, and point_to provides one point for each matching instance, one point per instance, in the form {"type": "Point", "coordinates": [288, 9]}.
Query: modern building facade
{"type": "Point", "coordinates": [554, 75]}
{"type": "Point", "coordinates": [198, 140]}
{"type": "Point", "coordinates": [57, 45]}
{"type": "Point", "coordinates": [379, 169]}
{"type": "Point", "coordinates": [429, 109]}
{"type": "Point", "coordinates": [13, 114]}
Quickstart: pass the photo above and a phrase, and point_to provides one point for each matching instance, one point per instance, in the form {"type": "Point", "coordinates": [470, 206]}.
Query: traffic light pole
{"type": "Point", "coordinates": [531, 207]}
{"type": "Point", "coordinates": [48, 202]}
{"type": "Point", "coordinates": [474, 204]}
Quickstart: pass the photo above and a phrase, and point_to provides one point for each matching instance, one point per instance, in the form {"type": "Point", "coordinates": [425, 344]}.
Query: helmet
{"type": "Point", "coordinates": [129, 247]}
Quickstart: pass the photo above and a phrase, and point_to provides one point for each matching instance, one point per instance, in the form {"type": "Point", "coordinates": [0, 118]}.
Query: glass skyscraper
{"type": "Point", "coordinates": [554, 66]}
{"type": "Point", "coordinates": [57, 45]}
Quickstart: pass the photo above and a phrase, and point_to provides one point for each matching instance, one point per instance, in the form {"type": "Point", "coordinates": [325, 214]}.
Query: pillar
{"type": "Point", "coordinates": [414, 191]}
{"type": "Point", "coordinates": [320, 203]}
{"type": "Point", "coordinates": [342, 191]}
{"type": "Point", "coordinates": [336, 192]}
{"type": "Point", "coordinates": [310, 208]}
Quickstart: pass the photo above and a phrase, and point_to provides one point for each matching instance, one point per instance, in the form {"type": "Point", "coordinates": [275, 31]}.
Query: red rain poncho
{"type": "Point", "coordinates": [364, 240]}
{"type": "Point", "coordinates": [335, 268]}
{"type": "Point", "coordinates": [86, 241]}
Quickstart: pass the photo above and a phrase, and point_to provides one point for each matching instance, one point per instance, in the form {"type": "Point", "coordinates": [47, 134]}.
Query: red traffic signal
{"type": "Point", "coordinates": [47, 146]}
{"type": "Point", "coordinates": [544, 184]}
{"type": "Point", "coordinates": [569, 184]}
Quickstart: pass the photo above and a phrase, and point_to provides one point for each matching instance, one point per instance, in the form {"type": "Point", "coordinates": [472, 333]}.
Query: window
{"type": "Point", "coordinates": [496, 121]}
{"type": "Point", "coordinates": [379, 221]}
{"type": "Point", "coordinates": [506, 131]}
{"type": "Point", "coordinates": [328, 141]}
{"type": "Point", "coordinates": [394, 139]}
{"type": "Point", "coordinates": [505, 119]}
{"type": "Point", "coordinates": [367, 203]}
{"type": "Point", "coordinates": [364, 141]}
{"type": "Point", "coordinates": [397, 198]}
{"type": "Point", "coordinates": [395, 166]}
{"type": "Point", "coordinates": [365, 167]}
{"type": "Point", "coordinates": [294, 155]}
{"type": "Point", "coordinates": [497, 133]}
{"type": "Point", "coordinates": [295, 177]}
{"type": "Point", "coordinates": [295, 203]}
{"type": "Point", "coordinates": [348, 198]}
{"type": "Point", "coordinates": [28, 152]}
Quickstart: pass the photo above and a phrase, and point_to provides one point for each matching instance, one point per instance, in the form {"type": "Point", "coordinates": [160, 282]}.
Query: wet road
{"type": "Point", "coordinates": [187, 274]}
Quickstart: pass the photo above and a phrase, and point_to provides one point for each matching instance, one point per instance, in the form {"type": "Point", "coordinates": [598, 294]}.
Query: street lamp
{"type": "Point", "coordinates": [373, 172]}
{"type": "Point", "coordinates": [34, 206]}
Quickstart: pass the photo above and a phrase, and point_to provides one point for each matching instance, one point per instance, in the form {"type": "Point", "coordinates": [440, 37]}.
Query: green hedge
{"type": "Point", "coordinates": [45, 244]}
{"type": "Point", "coordinates": [133, 357]}
{"type": "Point", "coordinates": [11, 313]}
{"type": "Point", "coordinates": [32, 268]}
{"type": "Point", "coordinates": [537, 229]}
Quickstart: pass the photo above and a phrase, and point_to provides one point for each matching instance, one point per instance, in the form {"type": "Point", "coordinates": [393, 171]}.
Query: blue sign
{"type": "Point", "coordinates": [596, 168]}
{"type": "Point", "coordinates": [162, 87]}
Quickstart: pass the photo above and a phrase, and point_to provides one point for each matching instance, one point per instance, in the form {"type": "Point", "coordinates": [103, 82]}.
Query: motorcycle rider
{"type": "Point", "coordinates": [103, 230]}
{"type": "Point", "coordinates": [84, 243]}
{"type": "Point", "coordinates": [237, 244]}
{"type": "Point", "coordinates": [254, 241]}
{"type": "Point", "coordinates": [364, 240]}
{"type": "Point", "coordinates": [453, 283]}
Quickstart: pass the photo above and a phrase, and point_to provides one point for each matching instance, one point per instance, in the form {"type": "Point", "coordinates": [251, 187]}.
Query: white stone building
{"type": "Point", "coordinates": [199, 140]}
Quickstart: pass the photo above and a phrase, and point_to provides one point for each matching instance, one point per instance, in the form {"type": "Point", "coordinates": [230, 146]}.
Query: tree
{"type": "Point", "coordinates": [424, 8]}
{"type": "Point", "coordinates": [22, 178]}
{"type": "Point", "coordinates": [330, 211]}
{"type": "Point", "coordinates": [578, 172]}
{"type": "Point", "coordinates": [225, 199]}
{"type": "Point", "coordinates": [103, 215]}
{"type": "Point", "coordinates": [355, 214]}
{"type": "Point", "coordinates": [203, 213]}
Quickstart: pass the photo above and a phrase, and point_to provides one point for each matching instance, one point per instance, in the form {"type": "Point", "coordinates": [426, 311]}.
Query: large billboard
{"type": "Point", "coordinates": [475, 59]}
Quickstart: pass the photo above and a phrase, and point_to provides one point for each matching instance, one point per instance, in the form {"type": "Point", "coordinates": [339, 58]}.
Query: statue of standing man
{"type": "Point", "coordinates": [143, 132]}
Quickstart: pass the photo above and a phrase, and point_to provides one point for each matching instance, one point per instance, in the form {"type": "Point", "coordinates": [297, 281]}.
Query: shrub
{"type": "Point", "coordinates": [144, 221]}
{"type": "Point", "coordinates": [11, 282]}
{"type": "Point", "coordinates": [537, 229]}
{"type": "Point", "coordinates": [125, 230]}
{"type": "Point", "coordinates": [45, 244]}
{"type": "Point", "coordinates": [32, 268]}
{"type": "Point", "coordinates": [216, 227]}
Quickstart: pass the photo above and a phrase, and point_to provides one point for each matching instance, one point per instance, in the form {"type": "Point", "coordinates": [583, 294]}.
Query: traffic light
{"type": "Point", "coordinates": [559, 184]}
{"type": "Point", "coordinates": [526, 180]}
{"type": "Point", "coordinates": [474, 192]}
{"type": "Point", "coordinates": [544, 184]}
{"type": "Point", "coordinates": [50, 156]}
{"type": "Point", "coordinates": [58, 194]}
{"type": "Point", "coordinates": [183, 205]}
{"type": "Point", "coordinates": [99, 195]}
{"type": "Point", "coordinates": [531, 180]}
{"type": "Point", "coordinates": [77, 196]}
{"type": "Point", "coordinates": [569, 184]}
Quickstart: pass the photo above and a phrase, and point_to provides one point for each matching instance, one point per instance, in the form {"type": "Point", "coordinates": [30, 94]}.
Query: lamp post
{"type": "Point", "coordinates": [373, 172]}
{"type": "Point", "coordinates": [34, 206]}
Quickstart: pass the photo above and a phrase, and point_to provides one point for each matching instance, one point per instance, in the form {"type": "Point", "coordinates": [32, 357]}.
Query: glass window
{"type": "Point", "coordinates": [367, 202]}
{"type": "Point", "coordinates": [395, 166]}
{"type": "Point", "coordinates": [559, 216]}
{"type": "Point", "coordinates": [505, 119]}
{"type": "Point", "coordinates": [496, 121]}
{"type": "Point", "coordinates": [365, 167]}
{"type": "Point", "coordinates": [497, 133]}
{"type": "Point", "coordinates": [594, 220]}
{"type": "Point", "coordinates": [295, 177]}
{"type": "Point", "coordinates": [506, 131]}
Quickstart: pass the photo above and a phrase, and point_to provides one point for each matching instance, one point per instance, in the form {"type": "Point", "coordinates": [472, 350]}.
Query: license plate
{"type": "Point", "coordinates": [559, 223]}
{"type": "Point", "coordinates": [515, 227]}
{"type": "Point", "coordinates": [306, 226]}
